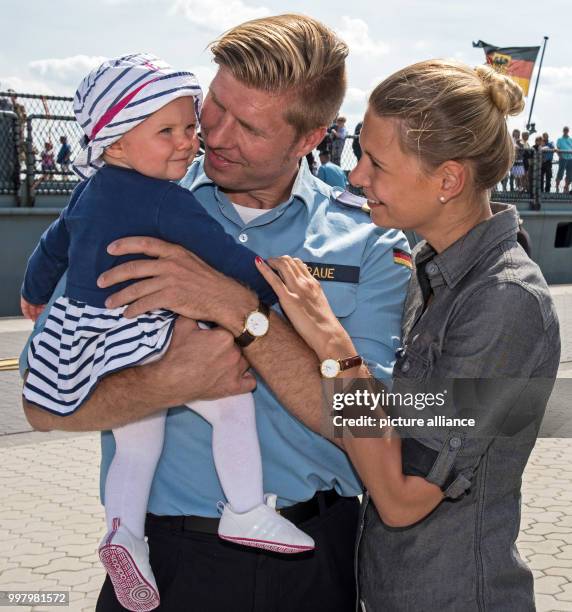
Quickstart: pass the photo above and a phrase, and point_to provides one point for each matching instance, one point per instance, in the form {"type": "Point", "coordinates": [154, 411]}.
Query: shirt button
{"type": "Point", "coordinates": [243, 238]}
{"type": "Point", "coordinates": [431, 269]}
{"type": "Point", "coordinates": [454, 443]}
{"type": "Point", "coordinates": [406, 366]}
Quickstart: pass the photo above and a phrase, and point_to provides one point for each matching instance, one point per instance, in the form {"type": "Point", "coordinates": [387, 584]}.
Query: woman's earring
{"type": "Point", "coordinates": [442, 199]}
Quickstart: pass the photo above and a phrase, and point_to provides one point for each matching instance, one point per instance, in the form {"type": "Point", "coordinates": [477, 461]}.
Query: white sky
{"type": "Point", "coordinates": [47, 47]}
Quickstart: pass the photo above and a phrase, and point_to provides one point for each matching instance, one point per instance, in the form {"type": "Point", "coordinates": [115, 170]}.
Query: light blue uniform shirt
{"type": "Point", "coordinates": [333, 175]}
{"type": "Point", "coordinates": [564, 143]}
{"type": "Point", "coordinates": [334, 240]}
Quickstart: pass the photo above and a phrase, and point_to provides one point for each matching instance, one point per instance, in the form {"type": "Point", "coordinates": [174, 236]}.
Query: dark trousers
{"type": "Point", "coordinates": [198, 572]}
{"type": "Point", "coordinates": [546, 176]}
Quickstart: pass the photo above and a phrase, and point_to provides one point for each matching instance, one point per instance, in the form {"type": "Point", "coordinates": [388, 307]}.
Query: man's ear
{"type": "Point", "coordinates": [309, 141]}
{"type": "Point", "coordinates": [115, 150]}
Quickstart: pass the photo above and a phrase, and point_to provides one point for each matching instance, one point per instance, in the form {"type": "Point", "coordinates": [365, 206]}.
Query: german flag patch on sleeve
{"type": "Point", "coordinates": [403, 258]}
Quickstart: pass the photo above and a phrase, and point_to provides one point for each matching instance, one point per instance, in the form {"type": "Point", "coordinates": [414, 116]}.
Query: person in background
{"type": "Point", "coordinates": [356, 147]}
{"type": "Point", "coordinates": [64, 156]}
{"type": "Point", "coordinates": [330, 173]}
{"type": "Point", "coordinates": [311, 161]}
{"type": "Point", "coordinates": [564, 150]}
{"type": "Point", "coordinates": [526, 161]}
{"type": "Point", "coordinates": [338, 134]}
{"type": "Point", "coordinates": [47, 163]}
{"type": "Point", "coordinates": [535, 161]}
{"type": "Point", "coordinates": [517, 170]}
{"type": "Point", "coordinates": [546, 167]}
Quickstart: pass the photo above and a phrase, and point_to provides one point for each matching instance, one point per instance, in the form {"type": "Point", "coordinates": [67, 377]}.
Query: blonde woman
{"type": "Point", "coordinates": [442, 511]}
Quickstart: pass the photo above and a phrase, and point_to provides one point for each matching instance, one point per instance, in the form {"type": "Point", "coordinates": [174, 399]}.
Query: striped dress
{"type": "Point", "coordinates": [80, 344]}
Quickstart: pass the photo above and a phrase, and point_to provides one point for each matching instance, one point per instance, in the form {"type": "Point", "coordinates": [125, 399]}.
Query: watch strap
{"type": "Point", "coordinates": [246, 338]}
{"type": "Point", "coordinates": [350, 362]}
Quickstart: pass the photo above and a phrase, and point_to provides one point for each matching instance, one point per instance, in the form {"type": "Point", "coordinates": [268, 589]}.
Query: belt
{"type": "Point", "coordinates": [297, 514]}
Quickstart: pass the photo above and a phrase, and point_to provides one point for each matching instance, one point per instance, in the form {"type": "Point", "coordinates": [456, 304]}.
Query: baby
{"type": "Point", "coordinates": [140, 119]}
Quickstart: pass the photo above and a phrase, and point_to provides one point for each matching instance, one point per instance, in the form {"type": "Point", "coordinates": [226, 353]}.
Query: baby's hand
{"type": "Point", "coordinates": [31, 311]}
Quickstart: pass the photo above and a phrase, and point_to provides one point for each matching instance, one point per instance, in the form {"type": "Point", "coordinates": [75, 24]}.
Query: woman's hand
{"type": "Point", "coordinates": [306, 306]}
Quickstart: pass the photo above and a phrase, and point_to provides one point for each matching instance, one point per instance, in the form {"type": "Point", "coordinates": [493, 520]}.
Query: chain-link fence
{"type": "Point", "coordinates": [39, 138]}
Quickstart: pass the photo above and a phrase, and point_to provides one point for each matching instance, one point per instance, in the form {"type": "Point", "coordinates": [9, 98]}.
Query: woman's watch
{"type": "Point", "coordinates": [256, 325]}
{"type": "Point", "coordinates": [330, 368]}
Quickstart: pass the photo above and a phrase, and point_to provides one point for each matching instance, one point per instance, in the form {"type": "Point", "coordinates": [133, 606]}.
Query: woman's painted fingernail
{"type": "Point", "coordinates": [258, 259]}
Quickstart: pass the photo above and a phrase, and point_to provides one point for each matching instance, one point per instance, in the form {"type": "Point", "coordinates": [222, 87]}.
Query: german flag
{"type": "Point", "coordinates": [516, 62]}
{"type": "Point", "coordinates": [403, 258]}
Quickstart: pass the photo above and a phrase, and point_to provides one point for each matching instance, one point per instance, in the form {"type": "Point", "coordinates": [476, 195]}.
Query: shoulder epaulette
{"type": "Point", "coordinates": [351, 200]}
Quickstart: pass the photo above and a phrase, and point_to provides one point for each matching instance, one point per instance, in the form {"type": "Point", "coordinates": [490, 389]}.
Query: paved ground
{"type": "Point", "coordinates": [51, 521]}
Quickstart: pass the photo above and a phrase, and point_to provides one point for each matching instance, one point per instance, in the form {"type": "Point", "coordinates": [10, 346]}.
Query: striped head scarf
{"type": "Point", "coordinates": [118, 96]}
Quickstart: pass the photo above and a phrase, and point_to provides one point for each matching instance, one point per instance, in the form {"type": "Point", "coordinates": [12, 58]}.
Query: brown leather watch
{"type": "Point", "coordinates": [256, 325]}
{"type": "Point", "coordinates": [330, 368]}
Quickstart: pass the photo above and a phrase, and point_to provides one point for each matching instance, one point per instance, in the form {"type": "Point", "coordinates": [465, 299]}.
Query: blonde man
{"type": "Point", "coordinates": [280, 82]}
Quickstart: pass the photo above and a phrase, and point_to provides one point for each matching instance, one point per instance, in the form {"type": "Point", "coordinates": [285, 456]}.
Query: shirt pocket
{"type": "Point", "coordinates": [411, 363]}
{"type": "Point", "coordinates": [342, 297]}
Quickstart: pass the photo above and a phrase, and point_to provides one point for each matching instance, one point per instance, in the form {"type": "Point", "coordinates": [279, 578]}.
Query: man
{"type": "Point", "coordinates": [280, 81]}
{"type": "Point", "coordinates": [356, 147]}
{"type": "Point", "coordinates": [546, 168]}
{"type": "Point", "coordinates": [564, 150]}
{"type": "Point", "coordinates": [330, 173]}
{"type": "Point", "coordinates": [64, 156]}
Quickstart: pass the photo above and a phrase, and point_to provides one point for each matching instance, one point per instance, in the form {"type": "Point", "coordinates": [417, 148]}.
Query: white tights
{"type": "Point", "coordinates": [139, 445]}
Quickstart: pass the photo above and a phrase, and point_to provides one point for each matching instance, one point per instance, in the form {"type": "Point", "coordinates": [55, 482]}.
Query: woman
{"type": "Point", "coordinates": [443, 506]}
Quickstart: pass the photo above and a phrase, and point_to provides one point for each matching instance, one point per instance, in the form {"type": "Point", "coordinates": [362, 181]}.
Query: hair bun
{"type": "Point", "coordinates": [506, 94]}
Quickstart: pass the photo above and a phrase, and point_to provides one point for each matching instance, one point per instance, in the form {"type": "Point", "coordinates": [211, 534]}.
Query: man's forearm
{"type": "Point", "coordinates": [290, 368]}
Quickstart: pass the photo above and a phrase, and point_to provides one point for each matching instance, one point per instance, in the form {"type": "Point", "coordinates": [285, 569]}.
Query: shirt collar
{"type": "Point", "coordinates": [302, 188]}
{"type": "Point", "coordinates": [455, 262]}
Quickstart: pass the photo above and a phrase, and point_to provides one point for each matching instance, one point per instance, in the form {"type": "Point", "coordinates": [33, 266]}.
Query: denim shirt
{"type": "Point", "coordinates": [490, 320]}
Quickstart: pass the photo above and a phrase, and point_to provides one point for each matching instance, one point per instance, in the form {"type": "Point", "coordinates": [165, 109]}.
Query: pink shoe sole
{"type": "Point", "coordinates": [288, 549]}
{"type": "Point", "coordinates": [132, 590]}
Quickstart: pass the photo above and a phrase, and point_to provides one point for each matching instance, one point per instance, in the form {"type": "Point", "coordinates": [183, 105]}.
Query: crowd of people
{"type": "Point", "coordinates": [540, 153]}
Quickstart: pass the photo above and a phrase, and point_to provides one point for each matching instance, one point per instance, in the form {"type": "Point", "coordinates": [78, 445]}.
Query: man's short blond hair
{"type": "Point", "coordinates": [289, 54]}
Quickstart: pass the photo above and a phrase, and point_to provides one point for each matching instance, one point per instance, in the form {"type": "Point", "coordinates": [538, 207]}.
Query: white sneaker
{"type": "Point", "coordinates": [126, 559]}
{"type": "Point", "coordinates": [263, 527]}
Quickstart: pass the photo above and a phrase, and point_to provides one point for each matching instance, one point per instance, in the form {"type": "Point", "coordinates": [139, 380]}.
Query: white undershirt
{"type": "Point", "coordinates": [247, 214]}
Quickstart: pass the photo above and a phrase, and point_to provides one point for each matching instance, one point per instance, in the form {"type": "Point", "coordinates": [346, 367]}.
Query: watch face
{"type": "Point", "coordinates": [257, 324]}
{"type": "Point", "coordinates": [330, 368]}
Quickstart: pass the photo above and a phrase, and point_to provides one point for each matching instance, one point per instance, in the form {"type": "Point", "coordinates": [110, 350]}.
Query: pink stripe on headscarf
{"type": "Point", "coordinates": [108, 116]}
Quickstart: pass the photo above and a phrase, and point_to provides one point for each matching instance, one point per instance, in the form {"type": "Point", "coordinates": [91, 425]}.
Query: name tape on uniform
{"type": "Point", "coordinates": [333, 272]}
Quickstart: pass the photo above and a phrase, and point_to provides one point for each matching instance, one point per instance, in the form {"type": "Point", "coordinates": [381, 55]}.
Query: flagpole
{"type": "Point", "coordinates": [529, 125]}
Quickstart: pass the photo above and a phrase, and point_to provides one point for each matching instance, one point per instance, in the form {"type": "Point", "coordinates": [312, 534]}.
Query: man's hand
{"type": "Point", "coordinates": [200, 364]}
{"type": "Point", "coordinates": [177, 280]}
